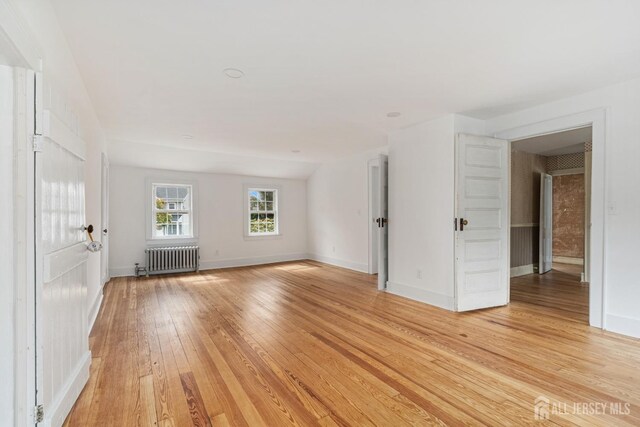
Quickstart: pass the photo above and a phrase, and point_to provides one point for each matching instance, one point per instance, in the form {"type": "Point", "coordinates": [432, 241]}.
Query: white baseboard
{"type": "Point", "coordinates": [245, 262]}
{"type": "Point", "coordinates": [60, 408]}
{"type": "Point", "coordinates": [94, 309]}
{"type": "Point", "coordinates": [121, 272]}
{"type": "Point", "coordinates": [522, 270]}
{"type": "Point", "coordinates": [422, 295]}
{"type": "Point", "coordinates": [568, 260]}
{"type": "Point", "coordinates": [363, 268]}
{"type": "Point", "coordinates": [223, 263]}
{"type": "Point", "coordinates": [623, 325]}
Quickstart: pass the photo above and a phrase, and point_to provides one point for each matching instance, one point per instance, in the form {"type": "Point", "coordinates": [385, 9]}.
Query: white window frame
{"type": "Point", "coordinates": [150, 210]}
{"type": "Point", "coordinates": [247, 211]}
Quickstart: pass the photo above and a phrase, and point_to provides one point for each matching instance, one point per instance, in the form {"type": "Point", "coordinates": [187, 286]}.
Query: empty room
{"type": "Point", "coordinates": [337, 213]}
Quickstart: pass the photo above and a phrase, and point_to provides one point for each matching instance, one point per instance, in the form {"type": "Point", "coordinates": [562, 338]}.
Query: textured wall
{"type": "Point", "coordinates": [525, 206]}
{"type": "Point", "coordinates": [525, 187]}
{"type": "Point", "coordinates": [568, 215]}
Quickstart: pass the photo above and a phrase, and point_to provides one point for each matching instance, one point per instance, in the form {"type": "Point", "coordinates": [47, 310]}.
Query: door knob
{"type": "Point", "coordinates": [104, 231]}
{"type": "Point", "coordinates": [465, 222]}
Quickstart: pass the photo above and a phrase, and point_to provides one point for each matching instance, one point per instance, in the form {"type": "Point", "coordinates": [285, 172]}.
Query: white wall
{"type": "Point", "coordinates": [220, 209]}
{"type": "Point", "coordinates": [338, 206]}
{"type": "Point", "coordinates": [622, 199]}
{"type": "Point", "coordinates": [421, 194]}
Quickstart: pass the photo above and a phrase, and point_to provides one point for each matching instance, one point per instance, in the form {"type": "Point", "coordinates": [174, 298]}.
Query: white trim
{"type": "Point", "coordinates": [568, 260]}
{"type": "Point", "coordinates": [371, 228]}
{"type": "Point", "coordinates": [623, 325]}
{"type": "Point", "coordinates": [18, 33]}
{"type": "Point", "coordinates": [597, 119]}
{"type": "Point", "coordinates": [422, 295]}
{"type": "Point", "coordinates": [526, 225]}
{"type": "Point", "coordinates": [58, 411]}
{"type": "Point", "coordinates": [522, 270]}
{"type": "Point", "coordinates": [356, 266]}
{"type": "Point", "coordinates": [562, 172]}
{"type": "Point", "coordinates": [224, 263]}
{"type": "Point", "coordinates": [94, 310]}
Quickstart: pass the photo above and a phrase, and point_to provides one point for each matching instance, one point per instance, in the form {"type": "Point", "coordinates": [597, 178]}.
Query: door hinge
{"type": "Point", "coordinates": [38, 413]}
{"type": "Point", "coordinates": [38, 143]}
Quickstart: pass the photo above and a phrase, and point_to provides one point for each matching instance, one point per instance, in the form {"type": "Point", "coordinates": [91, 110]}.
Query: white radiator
{"type": "Point", "coordinates": [173, 259]}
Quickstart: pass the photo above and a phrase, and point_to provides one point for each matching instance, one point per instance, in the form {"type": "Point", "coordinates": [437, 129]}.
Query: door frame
{"type": "Point", "coordinates": [372, 186]}
{"type": "Point", "coordinates": [104, 220]}
{"type": "Point", "coordinates": [597, 119]}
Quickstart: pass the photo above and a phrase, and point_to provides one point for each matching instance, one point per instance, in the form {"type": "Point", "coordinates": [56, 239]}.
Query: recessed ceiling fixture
{"type": "Point", "coordinates": [233, 73]}
{"type": "Point", "coordinates": [394, 114]}
{"type": "Point", "coordinates": [295, 151]}
{"type": "Point", "coordinates": [186, 136]}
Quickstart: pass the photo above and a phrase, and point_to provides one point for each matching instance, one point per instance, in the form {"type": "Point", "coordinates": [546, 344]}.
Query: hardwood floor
{"type": "Point", "coordinates": [304, 343]}
{"type": "Point", "coordinates": [559, 291]}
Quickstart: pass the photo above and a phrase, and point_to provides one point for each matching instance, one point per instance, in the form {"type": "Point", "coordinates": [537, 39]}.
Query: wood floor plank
{"type": "Point", "coordinates": [303, 343]}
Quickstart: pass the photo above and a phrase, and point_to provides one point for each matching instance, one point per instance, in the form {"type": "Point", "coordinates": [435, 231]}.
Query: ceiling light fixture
{"type": "Point", "coordinates": [394, 114]}
{"type": "Point", "coordinates": [233, 73]}
{"type": "Point", "coordinates": [187, 136]}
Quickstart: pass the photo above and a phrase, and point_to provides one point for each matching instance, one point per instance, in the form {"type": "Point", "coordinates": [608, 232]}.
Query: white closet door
{"type": "Point", "coordinates": [545, 261]}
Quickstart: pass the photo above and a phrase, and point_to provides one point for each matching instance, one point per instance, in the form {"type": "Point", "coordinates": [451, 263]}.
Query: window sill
{"type": "Point", "coordinates": [263, 237]}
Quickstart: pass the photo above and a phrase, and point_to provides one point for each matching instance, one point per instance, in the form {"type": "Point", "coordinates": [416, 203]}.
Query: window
{"type": "Point", "coordinates": [262, 212]}
{"type": "Point", "coordinates": [171, 211]}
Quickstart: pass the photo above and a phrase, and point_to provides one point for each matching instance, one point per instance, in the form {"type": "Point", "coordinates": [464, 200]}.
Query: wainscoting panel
{"type": "Point", "coordinates": [524, 245]}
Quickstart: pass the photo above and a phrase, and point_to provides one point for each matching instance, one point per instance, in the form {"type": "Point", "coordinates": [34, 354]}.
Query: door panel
{"type": "Point", "coordinates": [383, 226]}
{"type": "Point", "coordinates": [482, 232]}
{"type": "Point", "coordinates": [62, 348]}
{"type": "Point", "coordinates": [545, 261]}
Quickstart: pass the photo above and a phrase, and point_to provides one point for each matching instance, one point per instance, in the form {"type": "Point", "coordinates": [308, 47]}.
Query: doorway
{"type": "Point", "coordinates": [378, 219]}
{"type": "Point", "coordinates": [550, 222]}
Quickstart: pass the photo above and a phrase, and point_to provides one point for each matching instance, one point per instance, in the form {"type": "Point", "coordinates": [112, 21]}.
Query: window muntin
{"type": "Point", "coordinates": [172, 212]}
{"type": "Point", "coordinates": [263, 212]}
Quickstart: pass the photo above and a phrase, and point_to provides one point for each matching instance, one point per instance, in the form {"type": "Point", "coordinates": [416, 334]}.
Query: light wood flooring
{"type": "Point", "coordinates": [559, 291]}
{"type": "Point", "coordinates": [304, 343]}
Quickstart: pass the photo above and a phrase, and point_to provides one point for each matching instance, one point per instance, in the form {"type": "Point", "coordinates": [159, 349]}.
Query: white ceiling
{"type": "Point", "coordinates": [555, 144]}
{"type": "Point", "coordinates": [321, 76]}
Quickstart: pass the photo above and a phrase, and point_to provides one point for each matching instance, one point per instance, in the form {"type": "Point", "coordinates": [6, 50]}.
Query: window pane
{"type": "Point", "coordinates": [271, 223]}
{"type": "Point", "coordinates": [269, 206]}
{"type": "Point", "coordinates": [269, 196]}
{"type": "Point", "coordinates": [254, 205]}
{"type": "Point", "coordinates": [262, 206]}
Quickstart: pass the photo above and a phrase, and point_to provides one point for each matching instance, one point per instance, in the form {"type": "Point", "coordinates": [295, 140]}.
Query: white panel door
{"type": "Point", "coordinates": [62, 348]}
{"type": "Point", "coordinates": [545, 260]}
{"type": "Point", "coordinates": [383, 228]}
{"type": "Point", "coordinates": [104, 254]}
{"type": "Point", "coordinates": [482, 222]}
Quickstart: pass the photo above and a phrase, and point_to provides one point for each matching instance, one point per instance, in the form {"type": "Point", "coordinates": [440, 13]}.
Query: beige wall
{"type": "Point", "coordinates": [525, 187]}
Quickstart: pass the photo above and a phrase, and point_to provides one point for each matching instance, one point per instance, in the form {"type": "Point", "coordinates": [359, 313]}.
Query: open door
{"type": "Point", "coordinates": [482, 222]}
{"type": "Point", "coordinates": [382, 222]}
{"type": "Point", "coordinates": [545, 260]}
{"type": "Point", "coordinates": [104, 254]}
{"type": "Point", "coordinates": [62, 347]}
